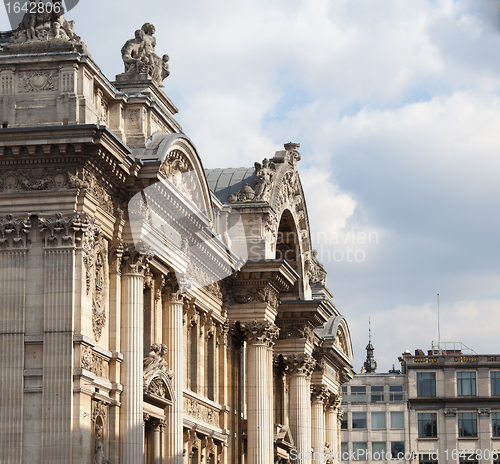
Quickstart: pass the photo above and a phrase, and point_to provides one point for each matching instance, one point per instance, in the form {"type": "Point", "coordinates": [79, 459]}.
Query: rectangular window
{"type": "Point", "coordinates": [396, 393]}
{"type": "Point", "coordinates": [426, 384]}
{"type": "Point", "coordinates": [344, 389]}
{"type": "Point", "coordinates": [358, 390]}
{"type": "Point", "coordinates": [344, 451]}
{"type": "Point", "coordinates": [467, 424]}
{"type": "Point", "coordinates": [359, 449]}
{"type": "Point", "coordinates": [378, 420]}
{"type": "Point", "coordinates": [428, 459]}
{"type": "Point", "coordinates": [495, 424]}
{"type": "Point", "coordinates": [359, 420]}
{"type": "Point", "coordinates": [379, 449]}
{"type": "Point", "coordinates": [495, 383]}
{"type": "Point", "coordinates": [343, 424]}
{"type": "Point", "coordinates": [467, 458]}
{"type": "Point", "coordinates": [427, 425]}
{"type": "Point", "coordinates": [466, 383]}
{"type": "Point", "coordinates": [397, 449]}
{"type": "Point", "coordinates": [377, 393]}
{"type": "Point", "coordinates": [397, 420]}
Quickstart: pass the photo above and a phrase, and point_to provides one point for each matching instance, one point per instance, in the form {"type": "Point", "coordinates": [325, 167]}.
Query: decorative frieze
{"type": "Point", "coordinates": [257, 332]}
{"type": "Point", "coordinates": [297, 331]}
{"type": "Point", "coordinates": [201, 411]}
{"type": "Point", "coordinates": [243, 295]}
{"type": "Point", "coordinates": [94, 363]}
{"type": "Point", "coordinates": [14, 233]}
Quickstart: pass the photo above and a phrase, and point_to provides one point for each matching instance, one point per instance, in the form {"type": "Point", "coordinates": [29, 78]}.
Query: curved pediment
{"type": "Point", "coordinates": [159, 388]}
{"type": "Point", "coordinates": [337, 330]}
{"type": "Point", "coordinates": [180, 168]}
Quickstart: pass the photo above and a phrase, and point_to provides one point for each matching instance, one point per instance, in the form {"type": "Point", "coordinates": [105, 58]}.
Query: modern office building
{"type": "Point", "coordinates": [454, 404]}
{"type": "Point", "coordinates": [374, 424]}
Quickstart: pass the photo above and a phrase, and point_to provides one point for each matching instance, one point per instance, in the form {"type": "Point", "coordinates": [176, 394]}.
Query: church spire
{"type": "Point", "coordinates": [370, 363]}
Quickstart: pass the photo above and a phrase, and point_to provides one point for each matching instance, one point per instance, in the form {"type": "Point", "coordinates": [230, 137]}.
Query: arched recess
{"type": "Point", "coordinates": [288, 248]}
{"type": "Point", "coordinates": [288, 200]}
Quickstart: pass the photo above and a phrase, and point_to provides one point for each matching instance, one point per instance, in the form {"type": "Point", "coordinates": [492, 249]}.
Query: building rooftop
{"type": "Point", "coordinates": [225, 182]}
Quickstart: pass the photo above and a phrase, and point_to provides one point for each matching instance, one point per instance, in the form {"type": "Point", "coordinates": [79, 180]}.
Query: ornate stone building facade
{"type": "Point", "coordinates": [132, 330]}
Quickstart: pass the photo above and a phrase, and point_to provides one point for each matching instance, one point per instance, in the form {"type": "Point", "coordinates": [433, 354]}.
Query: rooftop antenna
{"type": "Point", "coordinates": [369, 330]}
{"type": "Point", "coordinates": [439, 329]}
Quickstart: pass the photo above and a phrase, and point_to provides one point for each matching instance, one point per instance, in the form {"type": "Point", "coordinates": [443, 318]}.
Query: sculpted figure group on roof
{"type": "Point", "coordinates": [44, 21]}
{"type": "Point", "coordinates": [139, 55]}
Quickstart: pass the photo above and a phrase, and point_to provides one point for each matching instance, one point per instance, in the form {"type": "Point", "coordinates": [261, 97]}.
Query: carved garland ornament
{"type": "Point", "coordinates": [39, 81]}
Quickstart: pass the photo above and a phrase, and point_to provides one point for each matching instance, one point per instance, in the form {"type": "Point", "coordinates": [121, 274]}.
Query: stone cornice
{"type": "Point", "coordinates": [69, 144]}
{"type": "Point", "coordinates": [311, 312]}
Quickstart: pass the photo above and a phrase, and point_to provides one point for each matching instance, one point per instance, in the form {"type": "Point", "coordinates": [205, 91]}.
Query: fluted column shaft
{"type": "Point", "coordinates": [132, 369]}
{"type": "Point", "coordinates": [300, 368]}
{"type": "Point", "coordinates": [318, 395]}
{"type": "Point", "coordinates": [300, 424]}
{"type": "Point", "coordinates": [331, 430]}
{"type": "Point", "coordinates": [173, 335]}
{"type": "Point", "coordinates": [157, 459]}
{"type": "Point", "coordinates": [260, 338]}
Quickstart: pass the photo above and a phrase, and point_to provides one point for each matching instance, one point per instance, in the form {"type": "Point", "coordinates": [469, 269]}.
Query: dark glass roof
{"type": "Point", "coordinates": [225, 182]}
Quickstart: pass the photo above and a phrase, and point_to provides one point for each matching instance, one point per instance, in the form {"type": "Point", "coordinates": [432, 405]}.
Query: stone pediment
{"type": "Point", "coordinates": [283, 437]}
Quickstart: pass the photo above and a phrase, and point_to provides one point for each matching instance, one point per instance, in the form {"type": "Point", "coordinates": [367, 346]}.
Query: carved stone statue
{"type": "Point", "coordinates": [139, 56]}
{"type": "Point", "coordinates": [43, 22]}
{"type": "Point", "coordinates": [99, 457]}
{"type": "Point", "coordinates": [154, 360]}
{"type": "Point", "coordinates": [133, 54]}
{"type": "Point", "coordinates": [264, 174]}
{"type": "Point", "coordinates": [44, 28]}
{"type": "Point", "coordinates": [317, 273]}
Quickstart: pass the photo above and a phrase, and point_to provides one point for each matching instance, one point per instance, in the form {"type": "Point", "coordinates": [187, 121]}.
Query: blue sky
{"type": "Point", "coordinates": [396, 106]}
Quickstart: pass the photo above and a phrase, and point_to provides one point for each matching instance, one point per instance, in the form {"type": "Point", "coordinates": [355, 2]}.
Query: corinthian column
{"type": "Point", "coordinates": [172, 333]}
{"type": "Point", "coordinates": [318, 395]}
{"type": "Point", "coordinates": [300, 368]}
{"type": "Point", "coordinates": [132, 336]}
{"type": "Point", "coordinates": [260, 337]}
{"type": "Point", "coordinates": [331, 424]}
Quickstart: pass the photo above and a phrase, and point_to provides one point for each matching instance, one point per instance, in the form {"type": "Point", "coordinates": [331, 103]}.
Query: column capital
{"type": "Point", "coordinates": [333, 402]}
{"type": "Point", "coordinates": [14, 233]}
{"type": "Point", "coordinates": [484, 412]}
{"type": "Point", "coordinates": [135, 259]}
{"type": "Point", "coordinates": [66, 231]}
{"type": "Point", "coordinates": [300, 364]}
{"type": "Point", "coordinates": [319, 393]}
{"type": "Point", "coordinates": [260, 332]}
